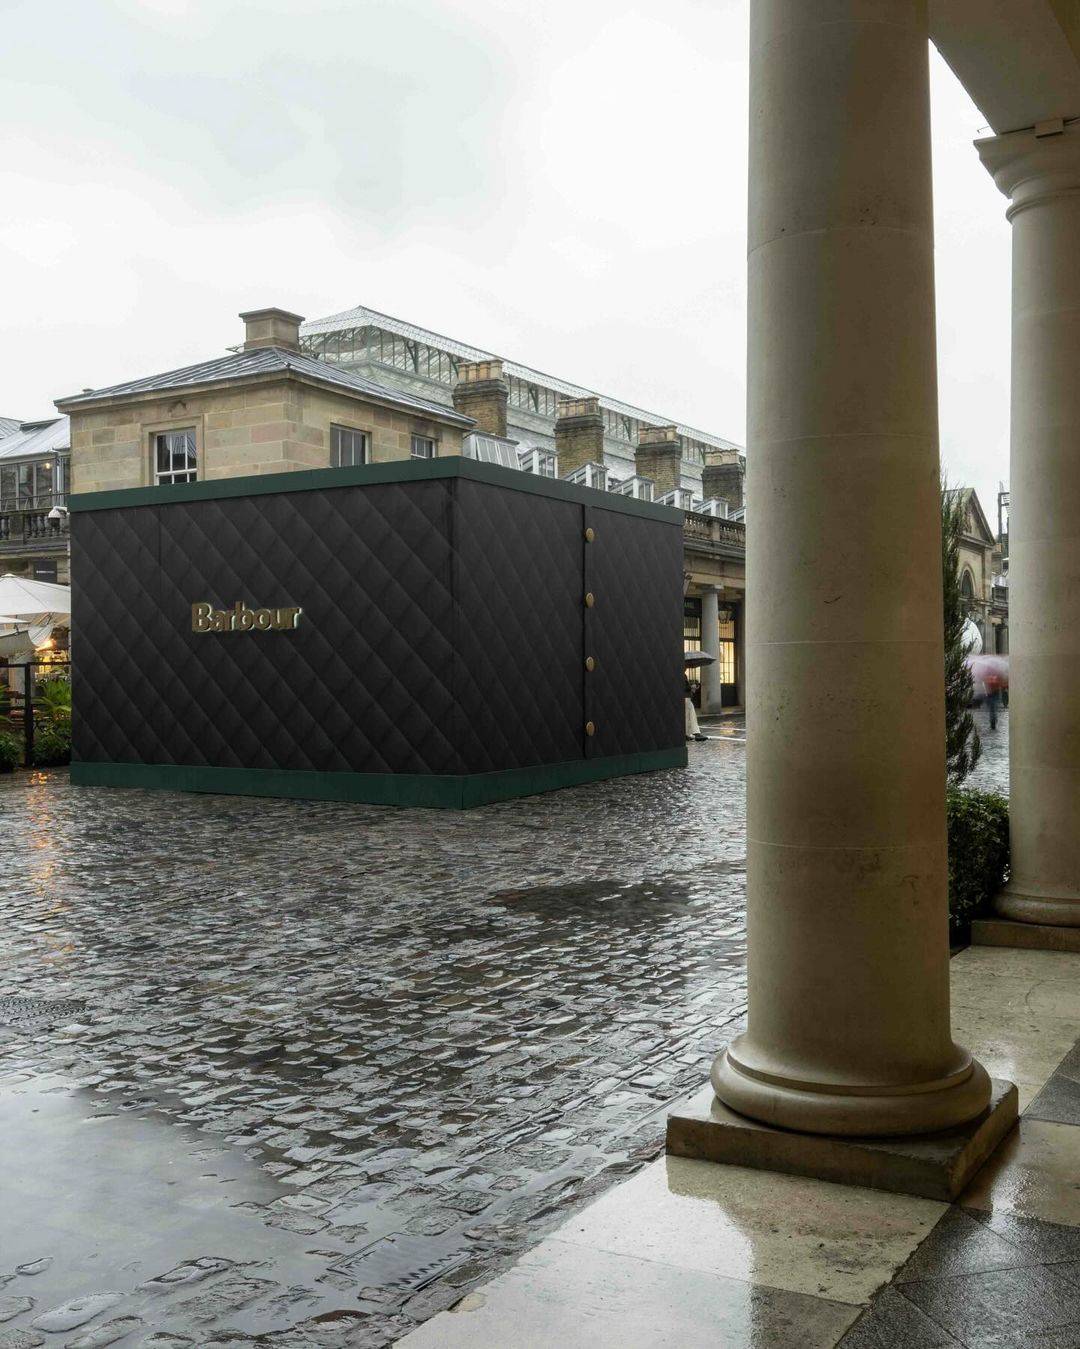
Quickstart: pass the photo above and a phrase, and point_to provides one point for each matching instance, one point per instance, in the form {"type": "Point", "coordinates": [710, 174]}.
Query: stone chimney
{"type": "Point", "coordinates": [482, 394]}
{"type": "Point", "coordinates": [659, 457]}
{"type": "Point", "coordinates": [271, 328]}
{"type": "Point", "coordinates": [722, 477]}
{"type": "Point", "coordinates": [579, 433]}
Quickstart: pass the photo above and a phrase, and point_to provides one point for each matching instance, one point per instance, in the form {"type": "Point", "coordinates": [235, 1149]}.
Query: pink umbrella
{"type": "Point", "coordinates": [990, 674]}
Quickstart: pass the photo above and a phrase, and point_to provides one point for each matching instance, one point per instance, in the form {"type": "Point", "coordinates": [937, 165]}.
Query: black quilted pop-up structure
{"type": "Point", "coordinates": [439, 633]}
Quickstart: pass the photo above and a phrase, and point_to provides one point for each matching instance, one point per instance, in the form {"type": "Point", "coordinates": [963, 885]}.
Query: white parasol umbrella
{"type": "Point", "coordinates": [970, 638]}
{"type": "Point", "coordinates": [35, 602]}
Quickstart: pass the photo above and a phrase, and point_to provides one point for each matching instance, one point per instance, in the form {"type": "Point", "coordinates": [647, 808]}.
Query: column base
{"type": "Point", "coordinates": [1049, 910]}
{"type": "Point", "coordinates": [811, 1107]}
{"type": "Point", "coordinates": [1026, 936]}
{"type": "Point", "coordinates": [935, 1166]}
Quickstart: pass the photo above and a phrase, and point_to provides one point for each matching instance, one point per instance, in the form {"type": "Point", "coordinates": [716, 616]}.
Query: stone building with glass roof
{"type": "Point", "coordinates": [34, 476]}
{"type": "Point", "coordinates": [366, 342]}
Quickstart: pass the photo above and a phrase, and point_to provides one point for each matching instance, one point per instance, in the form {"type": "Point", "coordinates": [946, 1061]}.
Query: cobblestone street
{"type": "Point", "coordinates": [992, 771]}
{"type": "Point", "coordinates": [374, 1053]}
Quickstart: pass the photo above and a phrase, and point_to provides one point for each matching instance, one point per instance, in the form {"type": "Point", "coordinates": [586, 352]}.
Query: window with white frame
{"type": "Point", "coordinates": [174, 456]}
{"type": "Point", "coordinates": [347, 447]}
{"type": "Point", "coordinates": [423, 447]}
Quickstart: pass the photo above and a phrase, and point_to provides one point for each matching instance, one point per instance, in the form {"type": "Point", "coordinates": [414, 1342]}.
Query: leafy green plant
{"type": "Point", "coordinates": [962, 744]}
{"type": "Point", "coordinates": [10, 751]}
{"type": "Point", "coordinates": [978, 825]}
{"type": "Point", "coordinates": [52, 699]}
{"type": "Point", "coordinates": [52, 743]}
{"type": "Point", "coordinates": [52, 722]}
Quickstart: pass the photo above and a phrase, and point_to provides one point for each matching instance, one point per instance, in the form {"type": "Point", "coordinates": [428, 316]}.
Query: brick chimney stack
{"type": "Point", "coordinates": [723, 477]}
{"type": "Point", "coordinates": [482, 394]}
{"type": "Point", "coordinates": [659, 457]}
{"type": "Point", "coordinates": [579, 433]}
{"type": "Point", "coordinates": [271, 328]}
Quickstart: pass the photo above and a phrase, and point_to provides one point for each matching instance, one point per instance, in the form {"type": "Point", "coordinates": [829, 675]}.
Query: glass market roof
{"type": "Point", "coordinates": [316, 335]}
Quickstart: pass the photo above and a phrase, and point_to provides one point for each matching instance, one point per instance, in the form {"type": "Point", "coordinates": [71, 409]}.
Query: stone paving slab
{"type": "Point", "coordinates": [751, 1257]}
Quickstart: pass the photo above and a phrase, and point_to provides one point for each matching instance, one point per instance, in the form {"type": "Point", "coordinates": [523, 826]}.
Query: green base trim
{"type": "Point", "coordinates": [452, 791]}
{"type": "Point", "coordinates": [366, 475]}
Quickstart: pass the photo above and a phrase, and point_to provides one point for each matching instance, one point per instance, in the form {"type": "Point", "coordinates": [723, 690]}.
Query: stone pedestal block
{"type": "Point", "coordinates": [936, 1166]}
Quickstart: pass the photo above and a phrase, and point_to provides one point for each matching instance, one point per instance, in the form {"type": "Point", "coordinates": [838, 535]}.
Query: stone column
{"type": "Point", "coordinates": [847, 918]}
{"type": "Point", "coordinates": [1040, 171]}
{"type": "Point", "coordinates": [710, 641]}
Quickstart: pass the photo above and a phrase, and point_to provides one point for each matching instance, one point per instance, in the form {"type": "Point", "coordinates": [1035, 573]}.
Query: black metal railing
{"type": "Point", "coordinates": [19, 703]}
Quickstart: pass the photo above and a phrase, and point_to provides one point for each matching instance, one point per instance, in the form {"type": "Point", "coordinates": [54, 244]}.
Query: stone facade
{"type": "Point", "coordinates": [248, 427]}
{"type": "Point", "coordinates": [980, 566]}
{"type": "Point", "coordinates": [579, 433]}
{"type": "Point", "coordinates": [245, 421]}
{"type": "Point", "coordinates": [34, 479]}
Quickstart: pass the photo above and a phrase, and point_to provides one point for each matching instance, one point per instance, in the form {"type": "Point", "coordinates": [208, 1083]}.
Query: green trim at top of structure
{"type": "Point", "coordinates": [364, 475]}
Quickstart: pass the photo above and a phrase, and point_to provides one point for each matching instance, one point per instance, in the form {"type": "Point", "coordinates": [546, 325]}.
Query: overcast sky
{"type": "Point", "coordinates": [561, 183]}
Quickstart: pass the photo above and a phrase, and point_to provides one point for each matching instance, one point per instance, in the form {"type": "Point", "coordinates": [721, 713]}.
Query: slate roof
{"type": "Point", "coordinates": [269, 361]}
{"type": "Point", "coordinates": [362, 317]}
{"type": "Point", "coordinates": [30, 438]}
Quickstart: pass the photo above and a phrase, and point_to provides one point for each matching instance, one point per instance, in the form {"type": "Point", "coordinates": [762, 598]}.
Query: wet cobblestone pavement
{"type": "Point", "coordinates": [308, 1072]}
{"type": "Point", "coordinates": [992, 771]}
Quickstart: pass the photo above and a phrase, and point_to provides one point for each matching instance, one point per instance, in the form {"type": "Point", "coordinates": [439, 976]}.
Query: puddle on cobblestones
{"type": "Point", "coordinates": [360, 1082]}
{"type": "Point", "coordinates": [640, 900]}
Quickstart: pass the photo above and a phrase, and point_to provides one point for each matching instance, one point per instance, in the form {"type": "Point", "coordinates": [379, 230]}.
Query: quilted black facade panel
{"type": "Point", "coordinates": [114, 610]}
{"type": "Point", "coordinates": [635, 634]}
{"type": "Point", "coordinates": [443, 630]}
{"type": "Point", "coordinates": [521, 660]}
{"type": "Point", "coordinates": [365, 682]}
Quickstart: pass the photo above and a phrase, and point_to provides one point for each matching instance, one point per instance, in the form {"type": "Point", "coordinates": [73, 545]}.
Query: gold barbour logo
{"type": "Point", "coordinates": [205, 618]}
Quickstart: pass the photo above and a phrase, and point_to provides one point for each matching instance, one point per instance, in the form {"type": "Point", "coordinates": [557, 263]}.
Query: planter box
{"type": "Point", "coordinates": [410, 633]}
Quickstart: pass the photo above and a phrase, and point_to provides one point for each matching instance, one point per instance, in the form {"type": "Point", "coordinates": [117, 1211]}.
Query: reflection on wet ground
{"type": "Point", "coordinates": [370, 1054]}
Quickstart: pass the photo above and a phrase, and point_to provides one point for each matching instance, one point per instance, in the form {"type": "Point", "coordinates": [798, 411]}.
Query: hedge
{"type": "Point", "coordinates": [978, 824]}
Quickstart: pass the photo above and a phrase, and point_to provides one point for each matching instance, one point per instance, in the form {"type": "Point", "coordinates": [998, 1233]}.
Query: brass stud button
{"type": "Point", "coordinates": [590, 600]}
{"type": "Point", "coordinates": [590, 663]}
{"type": "Point", "coordinates": [590, 534]}
{"type": "Point", "coordinates": [590, 728]}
